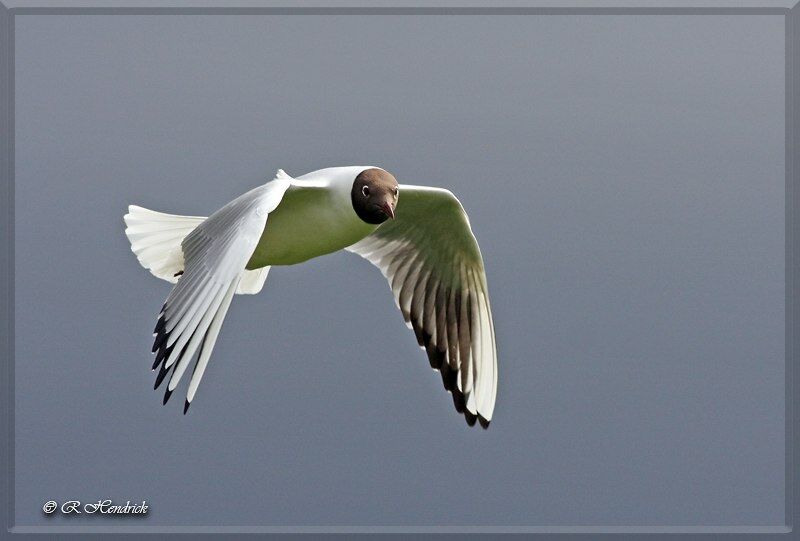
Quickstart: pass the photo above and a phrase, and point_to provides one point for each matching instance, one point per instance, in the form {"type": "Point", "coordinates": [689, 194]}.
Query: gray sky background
{"type": "Point", "coordinates": [624, 176]}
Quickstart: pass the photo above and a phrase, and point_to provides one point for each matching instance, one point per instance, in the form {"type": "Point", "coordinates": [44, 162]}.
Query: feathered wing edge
{"type": "Point", "coordinates": [156, 238]}
{"type": "Point", "coordinates": [435, 271]}
{"type": "Point", "coordinates": [216, 253]}
{"type": "Point", "coordinates": [174, 355]}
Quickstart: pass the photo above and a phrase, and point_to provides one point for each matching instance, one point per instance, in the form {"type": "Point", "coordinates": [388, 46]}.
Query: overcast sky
{"type": "Point", "coordinates": [624, 176]}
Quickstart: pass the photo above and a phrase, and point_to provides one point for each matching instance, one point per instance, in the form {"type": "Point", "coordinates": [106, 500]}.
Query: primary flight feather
{"type": "Point", "coordinates": [419, 238]}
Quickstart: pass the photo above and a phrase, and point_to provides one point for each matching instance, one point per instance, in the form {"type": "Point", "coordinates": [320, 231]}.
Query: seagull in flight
{"type": "Point", "coordinates": [419, 237]}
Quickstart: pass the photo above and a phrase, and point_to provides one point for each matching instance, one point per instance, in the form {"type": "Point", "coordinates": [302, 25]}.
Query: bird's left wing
{"type": "Point", "coordinates": [215, 253]}
{"type": "Point", "coordinates": [434, 267]}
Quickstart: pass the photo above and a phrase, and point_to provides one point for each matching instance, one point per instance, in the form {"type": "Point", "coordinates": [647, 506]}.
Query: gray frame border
{"type": "Point", "coordinates": [410, 7]}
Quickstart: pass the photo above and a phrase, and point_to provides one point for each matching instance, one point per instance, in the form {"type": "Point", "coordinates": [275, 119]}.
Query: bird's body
{"type": "Point", "coordinates": [315, 218]}
{"type": "Point", "coordinates": [427, 253]}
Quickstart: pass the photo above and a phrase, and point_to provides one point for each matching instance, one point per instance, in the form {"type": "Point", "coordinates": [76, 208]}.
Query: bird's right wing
{"type": "Point", "coordinates": [215, 253]}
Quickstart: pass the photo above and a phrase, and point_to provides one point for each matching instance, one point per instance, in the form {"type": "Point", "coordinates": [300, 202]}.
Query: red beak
{"type": "Point", "coordinates": [387, 209]}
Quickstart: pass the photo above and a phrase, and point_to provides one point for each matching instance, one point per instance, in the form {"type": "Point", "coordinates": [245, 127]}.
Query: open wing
{"type": "Point", "coordinates": [434, 267]}
{"type": "Point", "coordinates": [215, 253]}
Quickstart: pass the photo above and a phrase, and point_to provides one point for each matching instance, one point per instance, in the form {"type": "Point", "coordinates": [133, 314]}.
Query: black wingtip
{"type": "Point", "coordinates": [186, 406]}
{"type": "Point", "coordinates": [438, 361]}
{"type": "Point", "coordinates": [162, 373]}
{"type": "Point", "coordinates": [458, 401]}
{"type": "Point", "coordinates": [449, 378]}
{"type": "Point", "coordinates": [162, 352]}
{"type": "Point", "coordinates": [470, 417]}
{"type": "Point", "coordinates": [159, 325]}
{"type": "Point", "coordinates": [167, 394]}
{"type": "Point", "coordinates": [161, 337]}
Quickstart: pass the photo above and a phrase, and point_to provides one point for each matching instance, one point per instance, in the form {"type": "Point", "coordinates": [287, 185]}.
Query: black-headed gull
{"type": "Point", "coordinates": [419, 237]}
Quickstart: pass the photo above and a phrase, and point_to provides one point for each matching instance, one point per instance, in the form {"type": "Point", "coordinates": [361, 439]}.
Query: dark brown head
{"type": "Point", "coordinates": [374, 195]}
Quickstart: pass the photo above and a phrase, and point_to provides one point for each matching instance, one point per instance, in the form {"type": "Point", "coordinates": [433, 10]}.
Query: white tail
{"type": "Point", "coordinates": [156, 238]}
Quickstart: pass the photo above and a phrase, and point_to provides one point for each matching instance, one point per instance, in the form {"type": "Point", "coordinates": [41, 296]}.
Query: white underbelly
{"type": "Point", "coordinates": [302, 228]}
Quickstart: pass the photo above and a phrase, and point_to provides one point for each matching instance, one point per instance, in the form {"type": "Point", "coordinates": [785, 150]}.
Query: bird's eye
{"type": "Point", "coordinates": [365, 191]}
{"type": "Point", "coordinates": [396, 190]}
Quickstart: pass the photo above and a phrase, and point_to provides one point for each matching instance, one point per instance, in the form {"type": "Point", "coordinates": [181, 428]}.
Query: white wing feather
{"type": "Point", "coordinates": [434, 267]}
{"type": "Point", "coordinates": [215, 254]}
{"type": "Point", "coordinates": [156, 238]}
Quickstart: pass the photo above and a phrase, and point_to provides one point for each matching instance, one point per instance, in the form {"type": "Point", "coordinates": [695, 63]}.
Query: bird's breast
{"type": "Point", "coordinates": [307, 224]}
